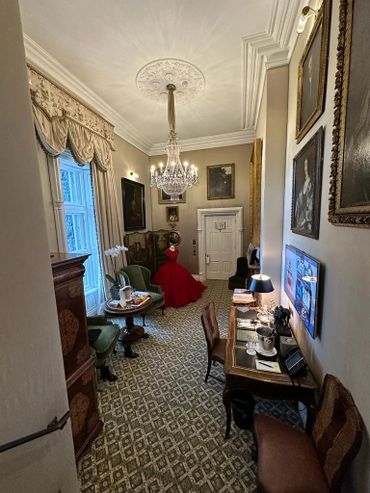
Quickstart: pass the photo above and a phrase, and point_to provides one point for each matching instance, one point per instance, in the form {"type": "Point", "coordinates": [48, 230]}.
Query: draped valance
{"type": "Point", "coordinates": [61, 121]}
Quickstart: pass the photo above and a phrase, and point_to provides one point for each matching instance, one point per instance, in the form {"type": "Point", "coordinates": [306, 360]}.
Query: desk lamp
{"type": "Point", "coordinates": [259, 284]}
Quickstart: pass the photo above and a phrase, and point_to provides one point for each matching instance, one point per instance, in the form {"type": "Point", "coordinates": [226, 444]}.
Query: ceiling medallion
{"type": "Point", "coordinates": [154, 77]}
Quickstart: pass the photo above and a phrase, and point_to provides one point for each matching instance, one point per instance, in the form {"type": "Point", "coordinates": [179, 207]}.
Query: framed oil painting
{"type": "Point", "coordinates": [312, 70]}
{"type": "Point", "coordinates": [349, 195]}
{"type": "Point", "coordinates": [163, 198]}
{"type": "Point", "coordinates": [133, 205]}
{"type": "Point", "coordinates": [172, 214]}
{"type": "Point", "coordinates": [306, 196]}
{"type": "Point", "coordinates": [221, 181]}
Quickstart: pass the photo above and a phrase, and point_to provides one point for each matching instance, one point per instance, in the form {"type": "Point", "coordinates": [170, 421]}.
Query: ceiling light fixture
{"type": "Point", "coordinates": [307, 12]}
{"type": "Point", "coordinates": [175, 177]}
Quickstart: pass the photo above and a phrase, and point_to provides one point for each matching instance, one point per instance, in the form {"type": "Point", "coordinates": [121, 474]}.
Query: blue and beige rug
{"type": "Point", "coordinates": [163, 426]}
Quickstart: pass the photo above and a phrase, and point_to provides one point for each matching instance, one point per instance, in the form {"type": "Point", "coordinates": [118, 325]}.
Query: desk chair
{"type": "Point", "coordinates": [215, 345]}
{"type": "Point", "coordinates": [239, 279]}
{"type": "Point", "coordinates": [290, 461]}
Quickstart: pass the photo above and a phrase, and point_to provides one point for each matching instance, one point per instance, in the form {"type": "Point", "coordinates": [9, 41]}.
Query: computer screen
{"type": "Point", "coordinates": [301, 284]}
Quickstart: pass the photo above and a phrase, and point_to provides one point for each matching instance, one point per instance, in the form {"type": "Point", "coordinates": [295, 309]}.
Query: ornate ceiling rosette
{"type": "Point", "coordinates": [153, 78]}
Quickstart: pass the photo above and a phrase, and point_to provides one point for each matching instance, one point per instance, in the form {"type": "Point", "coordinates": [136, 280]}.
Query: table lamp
{"type": "Point", "coordinates": [260, 283]}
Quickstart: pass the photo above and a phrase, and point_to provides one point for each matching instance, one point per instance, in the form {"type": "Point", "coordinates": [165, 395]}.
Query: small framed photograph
{"type": "Point", "coordinates": [172, 214]}
{"type": "Point", "coordinates": [306, 196]}
{"type": "Point", "coordinates": [163, 198]}
{"type": "Point", "coordinates": [133, 204]}
{"type": "Point", "coordinates": [221, 181]}
{"type": "Point", "coordinates": [312, 70]}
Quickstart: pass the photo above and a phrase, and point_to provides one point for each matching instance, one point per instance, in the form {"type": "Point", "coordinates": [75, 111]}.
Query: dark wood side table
{"type": "Point", "coordinates": [79, 365]}
{"type": "Point", "coordinates": [131, 332]}
{"type": "Point", "coordinates": [241, 374]}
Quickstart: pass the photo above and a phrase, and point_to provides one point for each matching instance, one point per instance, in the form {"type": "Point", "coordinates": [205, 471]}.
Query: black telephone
{"type": "Point", "coordinates": [294, 362]}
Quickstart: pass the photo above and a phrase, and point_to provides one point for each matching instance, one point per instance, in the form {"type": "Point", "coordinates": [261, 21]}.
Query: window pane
{"type": "Point", "coordinates": [70, 233]}
{"type": "Point", "coordinates": [65, 185]}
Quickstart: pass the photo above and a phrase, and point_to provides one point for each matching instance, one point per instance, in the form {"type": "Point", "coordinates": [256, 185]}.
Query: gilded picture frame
{"type": "Point", "coordinates": [172, 214]}
{"type": "Point", "coordinates": [221, 181]}
{"type": "Point", "coordinates": [306, 193]}
{"type": "Point", "coordinates": [349, 192]}
{"type": "Point", "coordinates": [163, 198]}
{"type": "Point", "coordinates": [312, 73]}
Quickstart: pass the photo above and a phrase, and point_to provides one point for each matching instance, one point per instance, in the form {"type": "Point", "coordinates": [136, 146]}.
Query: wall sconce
{"type": "Point", "coordinates": [307, 12]}
{"type": "Point", "coordinates": [134, 175]}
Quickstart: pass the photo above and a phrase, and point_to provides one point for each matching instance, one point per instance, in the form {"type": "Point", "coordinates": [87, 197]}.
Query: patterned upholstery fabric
{"type": "Point", "coordinates": [337, 431]}
{"type": "Point", "coordinates": [316, 463]}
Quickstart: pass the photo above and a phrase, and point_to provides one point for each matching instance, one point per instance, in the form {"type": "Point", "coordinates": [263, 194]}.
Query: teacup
{"type": "Point", "coordinates": [266, 338]}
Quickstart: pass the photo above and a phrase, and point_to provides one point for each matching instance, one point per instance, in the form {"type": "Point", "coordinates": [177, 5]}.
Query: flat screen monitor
{"type": "Point", "coordinates": [301, 284]}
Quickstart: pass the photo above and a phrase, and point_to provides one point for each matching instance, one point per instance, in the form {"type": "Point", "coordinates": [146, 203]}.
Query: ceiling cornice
{"type": "Point", "coordinates": [48, 65]}
{"type": "Point", "coordinates": [264, 50]}
{"type": "Point", "coordinates": [209, 142]}
{"type": "Point", "coordinates": [261, 51]}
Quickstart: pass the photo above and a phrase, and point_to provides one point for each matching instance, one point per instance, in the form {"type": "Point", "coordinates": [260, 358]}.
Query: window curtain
{"type": "Point", "coordinates": [255, 193]}
{"type": "Point", "coordinates": [61, 122]}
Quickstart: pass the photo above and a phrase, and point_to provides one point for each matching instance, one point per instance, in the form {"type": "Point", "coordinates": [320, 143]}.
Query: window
{"type": "Point", "coordinates": [80, 225]}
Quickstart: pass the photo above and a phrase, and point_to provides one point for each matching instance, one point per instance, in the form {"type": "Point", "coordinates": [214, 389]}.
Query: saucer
{"type": "Point", "coordinates": [268, 354]}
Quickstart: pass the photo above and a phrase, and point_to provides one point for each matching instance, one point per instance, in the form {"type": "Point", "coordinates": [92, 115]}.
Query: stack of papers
{"type": "Point", "coordinates": [272, 366]}
{"type": "Point", "coordinates": [242, 296]}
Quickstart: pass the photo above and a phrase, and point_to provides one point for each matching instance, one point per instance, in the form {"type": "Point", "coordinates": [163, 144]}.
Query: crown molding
{"type": "Point", "coordinates": [245, 136]}
{"type": "Point", "coordinates": [48, 65]}
{"type": "Point", "coordinates": [269, 49]}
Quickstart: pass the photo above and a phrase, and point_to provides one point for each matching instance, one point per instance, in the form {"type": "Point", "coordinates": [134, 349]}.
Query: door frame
{"type": "Point", "coordinates": [201, 228]}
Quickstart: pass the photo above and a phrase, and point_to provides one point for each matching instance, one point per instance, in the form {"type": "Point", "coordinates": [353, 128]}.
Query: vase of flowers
{"type": "Point", "coordinates": [113, 253]}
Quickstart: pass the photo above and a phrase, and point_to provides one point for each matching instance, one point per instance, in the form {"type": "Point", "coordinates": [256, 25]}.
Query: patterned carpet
{"type": "Point", "coordinates": [164, 427]}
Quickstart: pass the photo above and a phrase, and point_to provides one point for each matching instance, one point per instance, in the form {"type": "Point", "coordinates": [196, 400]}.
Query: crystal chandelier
{"type": "Point", "coordinates": [175, 177]}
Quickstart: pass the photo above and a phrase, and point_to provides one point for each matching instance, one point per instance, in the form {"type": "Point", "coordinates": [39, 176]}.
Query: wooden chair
{"type": "Point", "coordinates": [290, 461]}
{"type": "Point", "coordinates": [215, 345]}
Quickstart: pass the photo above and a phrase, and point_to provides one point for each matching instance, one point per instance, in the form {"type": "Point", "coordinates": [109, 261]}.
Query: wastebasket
{"type": "Point", "coordinates": [242, 404]}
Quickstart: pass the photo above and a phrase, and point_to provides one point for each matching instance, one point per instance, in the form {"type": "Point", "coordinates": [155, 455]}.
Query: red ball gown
{"type": "Point", "coordinates": [179, 286]}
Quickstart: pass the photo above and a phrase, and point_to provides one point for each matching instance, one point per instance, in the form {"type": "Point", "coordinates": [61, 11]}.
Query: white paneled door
{"type": "Point", "coordinates": [220, 248]}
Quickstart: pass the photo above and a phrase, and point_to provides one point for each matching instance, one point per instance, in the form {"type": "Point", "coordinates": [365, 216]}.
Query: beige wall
{"type": "Point", "coordinates": [32, 382]}
{"type": "Point", "coordinates": [343, 347]}
{"type": "Point", "coordinates": [196, 197]}
{"type": "Point", "coordinates": [127, 159]}
{"type": "Point", "coordinates": [271, 128]}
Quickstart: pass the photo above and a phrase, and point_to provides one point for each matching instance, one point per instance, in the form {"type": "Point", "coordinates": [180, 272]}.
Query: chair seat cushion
{"type": "Point", "coordinates": [156, 296]}
{"type": "Point", "coordinates": [218, 351]}
{"type": "Point", "coordinates": [287, 459]}
{"type": "Point", "coordinates": [106, 337]}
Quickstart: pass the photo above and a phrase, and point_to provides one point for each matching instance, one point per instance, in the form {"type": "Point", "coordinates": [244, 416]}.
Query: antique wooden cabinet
{"type": "Point", "coordinates": [79, 365]}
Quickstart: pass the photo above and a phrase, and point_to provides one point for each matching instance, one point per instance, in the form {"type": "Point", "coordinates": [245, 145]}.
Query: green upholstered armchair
{"type": "Point", "coordinates": [103, 336]}
{"type": "Point", "coordinates": [138, 277]}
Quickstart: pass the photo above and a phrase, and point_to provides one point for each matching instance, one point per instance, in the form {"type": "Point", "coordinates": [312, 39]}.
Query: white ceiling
{"type": "Point", "coordinates": [104, 44]}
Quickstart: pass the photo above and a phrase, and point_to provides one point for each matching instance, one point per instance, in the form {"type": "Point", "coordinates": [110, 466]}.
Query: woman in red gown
{"type": "Point", "coordinates": [179, 286]}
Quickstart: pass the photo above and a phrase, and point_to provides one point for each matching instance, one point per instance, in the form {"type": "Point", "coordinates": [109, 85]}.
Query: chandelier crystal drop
{"type": "Point", "coordinates": [175, 177]}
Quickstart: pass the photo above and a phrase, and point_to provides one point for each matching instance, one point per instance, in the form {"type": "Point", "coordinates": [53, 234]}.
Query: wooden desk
{"type": "Point", "coordinates": [241, 373]}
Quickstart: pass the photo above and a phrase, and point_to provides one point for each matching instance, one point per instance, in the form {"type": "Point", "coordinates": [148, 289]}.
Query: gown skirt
{"type": "Point", "coordinates": [177, 283]}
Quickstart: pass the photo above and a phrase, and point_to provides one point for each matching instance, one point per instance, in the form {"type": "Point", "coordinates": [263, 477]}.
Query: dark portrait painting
{"type": "Point", "coordinates": [312, 71]}
{"type": "Point", "coordinates": [220, 181]}
{"type": "Point", "coordinates": [306, 196]}
{"type": "Point", "coordinates": [349, 200]}
{"type": "Point", "coordinates": [133, 204]}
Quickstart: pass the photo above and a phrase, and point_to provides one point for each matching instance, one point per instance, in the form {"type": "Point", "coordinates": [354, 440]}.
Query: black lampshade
{"type": "Point", "coordinates": [260, 284]}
